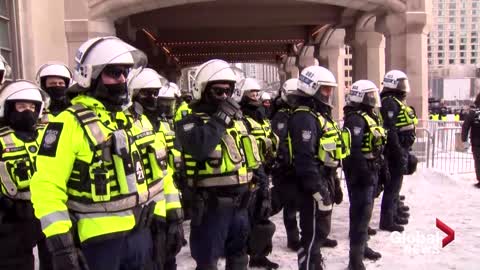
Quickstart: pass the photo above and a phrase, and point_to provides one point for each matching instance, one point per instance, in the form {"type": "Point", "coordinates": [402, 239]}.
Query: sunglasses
{"type": "Point", "coordinates": [116, 72]}
{"type": "Point", "coordinates": [220, 91]}
{"type": "Point", "coordinates": [149, 92]}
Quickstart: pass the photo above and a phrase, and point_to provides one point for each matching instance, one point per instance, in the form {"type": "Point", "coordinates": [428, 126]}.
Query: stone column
{"type": "Point", "coordinates": [42, 34]}
{"type": "Point", "coordinates": [291, 68]}
{"type": "Point", "coordinates": [332, 56]}
{"type": "Point", "coordinates": [406, 49]}
{"type": "Point", "coordinates": [368, 52]}
{"type": "Point", "coordinates": [306, 57]}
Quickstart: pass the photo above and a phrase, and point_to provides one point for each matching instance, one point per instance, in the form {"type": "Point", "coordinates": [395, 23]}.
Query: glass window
{"type": "Point", "coordinates": [474, 12]}
{"type": "Point", "coordinates": [462, 47]}
{"type": "Point", "coordinates": [8, 46]}
{"type": "Point", "coordinates": [452, 54]}
{"type": "Point", "coordinates": [474, 54]}
{"type": "Point", "coordinates": [429, 48]}
{"type": "Point", "coordinates": [474, 4]}
{"type": "Point", "coordinates": [462, 61]}
{"type": "Point", "coordinates": [451, 61]}
{"type": "Point", "coordinates": [474, 40]}
{"type": "Point", "coordinates": [440, 54]}
{"type": "Point", "coordinates": [451, 34]}
{"type": "Point", "coordinates": [474, 19]}
{"type": "Point", "coordinates": [451, 47]}
{"type": "Point", "coordinates": [451, 19]}
{"type": "Point", "coordinates": [462, 12]}
{"type": "Point", "coordinates": [440, 41]}
{"type": "Point", "coordinates": [451, 41]}
{"type": "Point", "coordinates": [440, 12]}
{"type": "Point", "coordinates": [473, 61]}
{"type": "Point", "coordinates": [474, 47]}
{"type": "Point", "coordinates": [463, 40]}
{"type": "Point", "coordinates": [462, 19]}
{"type": "Point", "coordinates": [462, 27]}
{"type": "Point", "coordinates": [474, 34]}
{"type": "Point", "coordinates": [452, 6]}
{"type": "Point", "coordinates": [440, 48]}
{"type": "Point", "coordinates": [462, 54]}
{"type": "Point", "coordinates": [429, 54]}
{"type": "Point", "coordinates": [440, 27]}
{"type": "Point", "coordinates": [440, 61]}
{"type": "Point", "coordinates": [474, 26]}
{"type": "Point", "coordinates": [451, 13]}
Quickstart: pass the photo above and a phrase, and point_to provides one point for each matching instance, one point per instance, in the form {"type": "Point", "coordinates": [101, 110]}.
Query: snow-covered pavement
{"type": "Point", "coordinates": [430, 195]}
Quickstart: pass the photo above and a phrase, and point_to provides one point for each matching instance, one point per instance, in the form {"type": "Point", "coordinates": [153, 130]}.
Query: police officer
{"type": "Point", "coordinates": [54, 78]}
{"type": "Point", "coordinates": [362, 165]}
{"type": "Point", "coordinates": [399, 121]}
{"type": "Point", "coordinates": [266, 100]}
{"type": "Point", "coordinates": [183, 107]}
{"type": "Point", "coordinates": [471, 126]}
{"type": "Point", "coordinates": [318, 147]}
{"type": "Point", "coordinates": [285, 188]}
{"type": "Point", "coordinates": [5, 70]}
{"type": "Point", "coordinates": [219, 158]}
{"type": "Point", "coordinates": [155, 98]}
{"type": "Point", "coordinates": [21, 105]}
{"type": "Point", "coordinates": [260, 242]}
{"type": "Point", "coordinates": [100, 175]}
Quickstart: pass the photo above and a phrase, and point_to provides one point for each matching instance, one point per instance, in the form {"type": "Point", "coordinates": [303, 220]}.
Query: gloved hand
{"type": "Point", "coordinates": [158, 228]}
{"type": "Point", "coordinates": [64, 253]}
{"type": "Point", "coordinates": [466, 145]}
{"type": "Point", "coordinates": [174, 241]}
{"type": "Point", "coordinates": [228, 110]}
{"type": "Point", "coordinates": [338, 191]}
{"type": "Point", "coordinates": [324, 202]}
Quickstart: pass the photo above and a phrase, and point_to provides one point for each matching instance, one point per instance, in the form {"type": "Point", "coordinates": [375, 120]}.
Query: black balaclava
{"type": "Point", "coordinates": [58, 96]}
{"type": "Point", "coordinates": [113, 96]}
{"type": "Point", "coordinates": [21, 121]}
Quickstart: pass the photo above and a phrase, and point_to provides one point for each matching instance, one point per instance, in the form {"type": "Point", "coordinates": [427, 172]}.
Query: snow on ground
{"type": "Point", "coordinates": [430, 195]}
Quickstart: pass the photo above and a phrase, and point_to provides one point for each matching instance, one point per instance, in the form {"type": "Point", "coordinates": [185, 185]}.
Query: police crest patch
{"type": "Point", "coordinates": [50, 139]}
{"type": "Point", "coordinates": [356, 130]}
{"type": "Point", "coordinates": [306, 135]}
{"type": "Point", "coordinates": [280, 126]}
{"type": "Point", "coordinates": [188, 127]}
{"type": "Point", "coordinates": [390, 114]}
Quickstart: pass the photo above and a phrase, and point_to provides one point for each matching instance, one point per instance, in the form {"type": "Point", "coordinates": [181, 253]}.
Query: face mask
{"type": "Point", "coordinates": [59, 99]}
{"type": "Point", "coordinates": [23, 121]}
{"type": "Point", "coordinates": [113, 96]}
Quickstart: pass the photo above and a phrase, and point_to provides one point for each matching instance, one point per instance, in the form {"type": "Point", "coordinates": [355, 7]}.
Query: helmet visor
{"type": "Point", "coordinates": [135, 59]}
{"type": "Point", "coordinates": [325, 95]}
{"type": "Point", "coordinates": [372, 99]}
{"type": "Point", "coordinates": [403, 85]}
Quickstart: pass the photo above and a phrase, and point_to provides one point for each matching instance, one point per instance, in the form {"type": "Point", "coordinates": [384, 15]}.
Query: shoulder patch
{"type": "Point", "coordinates": [390, 114]}
{"type": "Point", "coordinates": [356, 130]}
{"type": "Point", "coordinates": [280, 126]}
{"type": "Point", "coordinates": [49, 144]}
{"type": "Point", "coordinates": [306, 135]}
{"type": "Point", "coordinates": [188, 127]}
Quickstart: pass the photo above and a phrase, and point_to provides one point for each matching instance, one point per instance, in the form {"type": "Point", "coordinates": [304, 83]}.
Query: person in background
{"type": "Point", "coordinates": [471, 128]}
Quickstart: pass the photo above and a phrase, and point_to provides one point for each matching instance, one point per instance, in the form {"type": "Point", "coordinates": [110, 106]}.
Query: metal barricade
{"type": "Point", "coordinates": [448, 154]}
{"type": "Point", "coordinates": [421, 147]}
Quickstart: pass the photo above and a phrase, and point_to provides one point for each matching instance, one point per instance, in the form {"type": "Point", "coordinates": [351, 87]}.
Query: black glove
{"type": "Point", "coordinates": [64, 253]}
{"type": "Point", "coordinates": [228, 110]}
{"type": "Point", "coordinates": [174, 241]}
{"type": "Point", "coordinates": [338, 191]}
{"type": "Point", "coordinates": [158, 228]}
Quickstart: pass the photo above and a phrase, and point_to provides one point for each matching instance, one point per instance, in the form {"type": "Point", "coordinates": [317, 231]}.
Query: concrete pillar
{"type": "Point", "coordinates": [406, 49]}
{"type": "Point", "coordinates": [37, 45]}
{"type": "Point", "coordinates": [306, 57]}
{"type": "Point", "coordinates": [332, 56]}
{"type": "Point", "coordinates": [368, 52]}
{"type": "Point", "coordinates": [291, 68]}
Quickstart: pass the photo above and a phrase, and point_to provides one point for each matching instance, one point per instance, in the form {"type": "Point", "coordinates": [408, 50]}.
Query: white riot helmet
{"type": "Point", "coordinates": [166, 100]}
{"type": "Point", "coordinates": [21, 90]}
{"type": "Point", "coordinates": [266, 97]}
{"type": "Point", "coordinates": [247, 88]}
{"type": "Point", "coordinates": [289, 89]}
{"type": "Point", "coordinates": [212, 71]}
{"type": "Point", "coordinates": [169, 91]}
{"type": "Point", "coordinates": [396, 80]}
{"type": "Point", "coordinates": [312, 78]}
{"type": "Point", "coordinates": [53, 69]}
{"type": "Point", "coordinates": [146, 79]}
{"type": "Point", "coordinates": [97, 53]}
{"type": "Point", "coordinates": [5, 69]}
{"type": "Point", "coordinates": [364, 92]}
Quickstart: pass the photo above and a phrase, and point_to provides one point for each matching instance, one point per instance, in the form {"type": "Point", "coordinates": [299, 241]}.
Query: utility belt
{"type": "Point", "coordinates": [206, 200]}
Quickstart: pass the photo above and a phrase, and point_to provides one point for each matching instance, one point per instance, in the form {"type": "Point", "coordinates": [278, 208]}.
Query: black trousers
{"type": "Point", "coordinates": [476, 159]}
{"type": "Point", "coordinates": [315, 227]}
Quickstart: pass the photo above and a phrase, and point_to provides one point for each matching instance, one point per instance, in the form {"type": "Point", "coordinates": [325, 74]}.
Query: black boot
{"type": "Point", "coordinates": [391, 227]}
{"type": "Point", "coordinates": [371, 231]}
{"type": "Point", "coordinates": [293, 240]}
{"type": "Point", "coordinates": [356, 258]}
{"type": "Point", "coordinates": [236, 262]}
{"type": "Point", "coordinates": [402, 214]}
{"type": "Point", "coordinates": [331, 243]}
{"type": "Point", "coordinates": [262, 262]}
{"type": "Point", "coordinates": [371, 254]}
{"type": "Point", "coordinates": [402, 207]}
{"type": "Point", "coordinates": [401, 221]}
{"type": "Point", "coordinates": [477, 185]}
{"type": "Point", "coordinates": [401, 197]}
